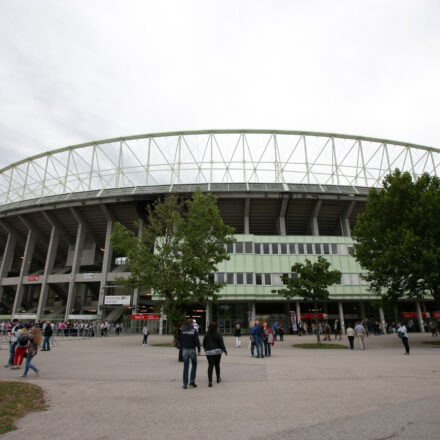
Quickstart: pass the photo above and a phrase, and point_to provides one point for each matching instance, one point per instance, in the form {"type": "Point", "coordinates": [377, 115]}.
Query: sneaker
{"type": "Point", "coordinates": [23, 375]}
{"type": "Point", "coordinates": [193, 385]}
{"type": "Point", "coordinates": [185, 387]}
{"type": "Point", "coordinates": [8, 366]}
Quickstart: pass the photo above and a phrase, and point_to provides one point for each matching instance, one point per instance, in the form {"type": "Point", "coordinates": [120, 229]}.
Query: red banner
{"type": "Point", "coordinates": [435, 315]}
{"type": "Point", "coordinates": [413, 315]}
{"type": "Point", "coordinates": [145, 317]}
{"type": "Point", "coordinates": [306, 316]}
{"type": "Point", "coordinates": [33, 278]}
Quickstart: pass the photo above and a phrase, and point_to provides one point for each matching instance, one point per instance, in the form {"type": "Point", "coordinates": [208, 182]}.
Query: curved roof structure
{"type": "Point", "coordinates": [214, 157]}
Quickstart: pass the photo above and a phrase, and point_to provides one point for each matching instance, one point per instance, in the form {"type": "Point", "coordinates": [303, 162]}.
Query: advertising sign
{"type": "Point", "coordinates": [435, 315]}
{"type": "Point", "coordinates": [251, 316]}
{"type": "Point", "coordinates": [33, 278]}
{"type": "Point", "coordinates": [147, 317]}
{"type": "Point", "coordinates": [413, 315]}
{"type": "Point", "coordinates": [124, 300]}
{"type": "Point", "coordinates": [293, 321]}
{"type": "Point", "coordinates": [306, 316]}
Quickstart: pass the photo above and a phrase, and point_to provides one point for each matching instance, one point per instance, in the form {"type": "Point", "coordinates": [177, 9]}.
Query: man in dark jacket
{"type": "Point", "coordinates": [189, 341]}
{"type": "Point", "coordinates": [47, 332]}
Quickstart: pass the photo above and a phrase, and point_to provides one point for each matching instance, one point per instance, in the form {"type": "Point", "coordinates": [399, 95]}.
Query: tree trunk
{"type": "Point", "coordinates": [318, 336]}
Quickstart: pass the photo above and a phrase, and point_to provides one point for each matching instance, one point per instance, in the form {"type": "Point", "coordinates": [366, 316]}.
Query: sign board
{"type": "Point", "coordinates": [435, 315]}
{"type": "Point", "coordinates": [82, 317]}
{"type": "Point", "coordinates": [413, 315]}
{"type": "Point", "coordinates": [25, 316]}
{"type": "Point", "coordinates": [88, 276]}
{"type": "Point", "coordinates": [148, 317]}
{"type": "Point", "coordinates": [306, 316]}
{"type": "Point", "coordinates": [124, 300]}
{"type": "Point", "coordinates": [33, 278]}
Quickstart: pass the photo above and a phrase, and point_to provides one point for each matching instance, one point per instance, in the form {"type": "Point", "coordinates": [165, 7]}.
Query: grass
{"type": "Point", "coordinates": [16, 400]}
{"type": "Point", "coordinates": [322, 346]}
{"type": "Point", "coordinates": [169, 344]}
{"type": "Point", "coordinates": [431, 342]}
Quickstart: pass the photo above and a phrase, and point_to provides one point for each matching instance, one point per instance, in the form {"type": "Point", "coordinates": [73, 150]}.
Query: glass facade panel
{"type": "Point", "coordinates": [309, 249]}
{"type": "Point", "coordinates": [239, 278]}
{"type": "Point", "coordinates": [266, 248]}
{"type": "Point", "coordinates": [334, 249]}
{"type": "Point", "coordinates": [355, 280]}
{"type": "Point", "coordinates": [275, 248]}
{"type": "Point", "coordinates": [343, 250]}
{"type": "Point", "coordinates": [249, 278]}
{"type": "Point", "coordinates": [301, 248]}
{"type": "Point", "coordinates": [317, 248]}
{"type": "Point", "coordinates": [230, 248]}
{"type": "Point", "coordinates": [249, 247]}
{"type": "Point", "coordinates": [258, 248]}
{"type": "Point", "coordinates": [276, 279]}
{"type": "Point", "coordinates": [267, 279]}
{"type": "Point", "coordinates": [326, 248]}
{"type": "Point", "coordinates": [239, 247]}
{"type": "Point", "coordinates": [220, 278]}
{"type": "Point", "coordinates": [346, 279]}
{"type": "Point", "coordinates": [258, 279]}
{"type": "Point", "coordinates": [230, 278]}
{"type": "Point", "coordinates": [283, 247]}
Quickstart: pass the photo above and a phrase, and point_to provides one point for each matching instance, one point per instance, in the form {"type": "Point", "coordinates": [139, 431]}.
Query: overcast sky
{"type": "Point", "coordinates": [74, 71]}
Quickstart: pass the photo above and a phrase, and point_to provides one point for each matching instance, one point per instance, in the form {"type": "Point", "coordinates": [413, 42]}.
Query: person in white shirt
{"type": "Point", "coordinates": [145, 333]}
{"type": "Point", "coordinates": [350, 335]}
{"type": "Point", "coordinates": [401, 331]}
{"type": "Point", "coordinates": [195, 325]}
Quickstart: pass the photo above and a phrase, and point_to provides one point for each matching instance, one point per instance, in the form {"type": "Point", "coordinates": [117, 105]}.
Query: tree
{"type": "Point", "coordinates": [310, 284]}
{"type": "Point", "coordinates": [180, 247]}
{"type": "Point", "coordinates": [398, 237]}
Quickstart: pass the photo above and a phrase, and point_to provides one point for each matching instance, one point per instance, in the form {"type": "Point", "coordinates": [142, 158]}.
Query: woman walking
{"type": "Point", "coordinates": [401, 331]}
{"type": "Point", "coordinates": [214, 346]}
{"type": "Point", "coordinates": [22, 344]}
{"type": "Point", "coordinates": [35, 339]}
{"type": "Point", "coordinates": [237, 334]}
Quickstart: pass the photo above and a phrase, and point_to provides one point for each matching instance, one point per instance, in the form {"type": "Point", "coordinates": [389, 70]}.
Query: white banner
{"type": "Point", "coordinates": [124, 300]}
{"type": "Point", "coordinates": [82, 317]}
{"type": "Point", "coordinates": [25, 316]}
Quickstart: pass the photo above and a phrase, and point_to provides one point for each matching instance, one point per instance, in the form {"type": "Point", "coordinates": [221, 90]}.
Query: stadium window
{"type": "Point", "coordinates": [211, 278]}
{"type": "Point", "coordinates": [230, 278]}
{"type": "Point", "coordinates": [265, 248]}
{"type": "Point", "coordinates": [276, 279]}
{"type": "Point", "coordinates": [230, 248]}
{"type": "Point", "coordinates": [317, 249]}
{"type": "Point", "coordinates": [350, 250]}
{"type": "Point", "coordinates": [249, 278]}
{"type": "Point", "coordinates": [364, 282]}
{"type": "Point", "coordinates": [258, 279]}
{"type": "Point", "coordinates": [292, 248]}
{"type": "Point", "coordinates": [258, 248]}
{"type": "Point", "coordinates": [239, 247]}
{"type": "Point", "coordinates": [275, 248]}
{"type": "Point", "coordinates": [283, 248]}
{"type": "Point", "coordinates": [339, 282]}
{"type": "Point", "coordinates": [301, 248]}
{"type": "Point", "coordinates": [334, 249]}
{"type": "Point", "coordinates": [248, 247]}
{"type": "Point", "coordinates": [239, 278]}
{"type": "Point", "coordinates": [309, 248]}
{"type": "Point", "coordinates": [326, 248]}
{"type": "Point", "coordinates": [267, 279]}
{"type": "Point", "coordinates": [120, 261]}
{"type": "Point", "coordinates": [355, 280]}
{"type": "Point", "coordinates": [342, 249]}
{"type": "Point", "coordinates": [285, 275]}
{"type": "Point", "coordinates": [220, 278]}
{"type": "Point", "coordinates": [346, 279]}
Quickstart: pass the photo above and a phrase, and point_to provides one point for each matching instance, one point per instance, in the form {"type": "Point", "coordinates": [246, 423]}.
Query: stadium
{"type": "Point", "coordinates": [289, 195]}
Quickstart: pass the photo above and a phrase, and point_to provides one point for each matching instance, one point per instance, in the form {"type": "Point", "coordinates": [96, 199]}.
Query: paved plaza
{"type": "Point", "coordinates": [113, 388]}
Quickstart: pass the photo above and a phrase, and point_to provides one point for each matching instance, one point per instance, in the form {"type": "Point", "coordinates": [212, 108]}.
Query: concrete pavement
{"type": "Point", "coordinates": [113, 388]}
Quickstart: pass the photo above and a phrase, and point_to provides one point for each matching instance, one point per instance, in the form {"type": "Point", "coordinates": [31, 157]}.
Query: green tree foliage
{"type": "Point", "coordinates": [180, 247]}
{"type": "Point", "coordinates": [311, 284]}
{"type": "Point", "coordinates": [398, 237]}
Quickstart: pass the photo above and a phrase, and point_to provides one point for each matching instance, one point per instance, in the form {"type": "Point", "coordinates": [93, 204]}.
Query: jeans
{"type": "Point", "coordinates": [351, 340]}
{"type": "Point", "coordinates": [214, 361]}
{"type": "Point", "coordinates": [144, 341]}
{"type": "Point", "coordinates": [12, 347]}
{"type": "Point", "coordinates": [46, 345]}
{"type": "Point", "coordinates": [267, 348]}
{"type": "Point", "coordinates": [259, 343]}
{"type": "Point", "coordinates": [405, 343]}
{"type": "Point", "coordinates": [189, 353]}
{"type": "Point", "coordinates": [28, 365]}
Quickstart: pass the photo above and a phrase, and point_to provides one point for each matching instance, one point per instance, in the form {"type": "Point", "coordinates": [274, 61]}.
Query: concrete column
{"type": "Point", "coordinates": [419, 316]}
{"type": "Point", "coordinates": [208, 317]}
{"type": "Point", "coordinates": [76, 263]}
{"type": "Point", "coordinates": [298, 311]}
{"type": "Point", "coordinates": [253, 310]}
{"type": "Point", "coordinates": [135, 301]}
{"type": "Point", "coordinates": [345, 219]}
{"type": "Point", "coordinates": [313, 224]}
{"type": "Point", "coordinates": [106, 265]}
{"type": "Point", "coordinates": [6, 263]}
{"type": "Point", "coordinates": [247, 204]}
{"type": "Point", "coordinates": [25, 266]}
{"type": "Point", "coordinates": [282, 217]}
{"type": "Point", "coordinates": [362, 312]}
{"type": "Point", "coordinates": [50, 260]}
{"type": "Point", "coordinates": [382, 319]}
{"type": "Point", "coordinates": [161, 321]}
{"type": "Point", "coordinates": [341, 317]}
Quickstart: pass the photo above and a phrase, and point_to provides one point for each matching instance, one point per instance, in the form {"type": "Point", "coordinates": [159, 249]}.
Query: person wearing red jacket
{"type": "Point", "coordinates": [268, 340]}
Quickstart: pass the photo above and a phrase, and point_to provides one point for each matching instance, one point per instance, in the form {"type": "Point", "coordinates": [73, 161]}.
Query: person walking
{"type": "Point", "coordinates": [350, 336]}
{"type": "Point", "coordinates": [13, 339]}
{"type": "Point", "coordinates": [258, 333]}
{"type": "Point", "coordinates": [47, 332]}
{"type": "Point", "coordinates": [275, 329]}
{"type": "Point", "coordinates": [281, 332]}
{"type": "Point", "coordinates": [214, 346]}
{"type": "Point", "coordinates": [22, 343]}
{"type": "Point", "coordinates": [401, 331]}
{"type": "Point", "coordinates": [360, 334]}
{"type": "Point", "coordinates": [252, 338]}
{"type": "Point", "coordinates": [237, 334]}
{"type": "Point", "coordinates": [35, 339]}
{"type": "Point", "coordinates": [189, 340]}
{"type": "Point", "coordinates": [145, 333]}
